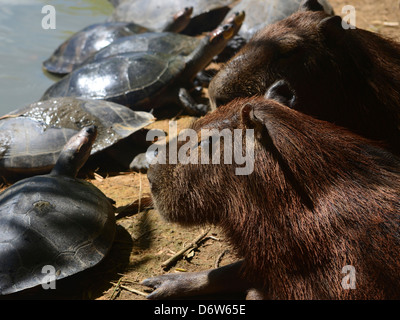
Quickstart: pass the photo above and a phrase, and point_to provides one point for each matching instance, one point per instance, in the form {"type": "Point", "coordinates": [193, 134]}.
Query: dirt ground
{"type": "Point", "coordinates": [144, 240]}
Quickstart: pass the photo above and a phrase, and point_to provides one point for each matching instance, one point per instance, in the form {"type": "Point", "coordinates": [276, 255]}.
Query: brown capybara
{"type": "Point", "coordinates": [350, 77]}
{"type": "Point", "coordinates": [320, 201]}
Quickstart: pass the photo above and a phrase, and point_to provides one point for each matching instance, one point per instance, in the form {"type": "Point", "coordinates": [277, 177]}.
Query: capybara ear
{"type": "Point", "coordinates": [281, 92]}
{"type": "Point", "coordinates": [250, 120]}
{"type": "Point", "coordinates": [332, 29]}
{"type": "Point", "coordinates": [310, 5]}
{"type": "Point", "coordinates": [247, 116]}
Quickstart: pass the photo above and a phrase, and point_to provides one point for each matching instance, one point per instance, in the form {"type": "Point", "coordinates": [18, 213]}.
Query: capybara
{"type": "Point", "coordinates": [350, 77]}
{"type": "Point", "coordinates": [320, 201]}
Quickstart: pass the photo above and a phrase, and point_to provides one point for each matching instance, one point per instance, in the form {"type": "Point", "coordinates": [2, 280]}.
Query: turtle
{"type": "Point", "coordinates": [55, 225]}
{"type": "Point", "coordinates": [167, 42]}
{"type": "Point", "coordinates": [260, 13]}
{"type": "Point", "coordinates": [207, 14]}
{"type": "Point", "coordinates": [145, 80]}
{"type": "Point", "coordinates": [32, 137]}
{"type": "Point", "coordinates": [91, 39]}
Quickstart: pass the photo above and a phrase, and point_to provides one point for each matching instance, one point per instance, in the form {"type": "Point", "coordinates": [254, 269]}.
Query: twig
{"type": "Point", "coordinates": [140, 191]}
{"type": "Point", "coordinates": [166, 264]}
{"type": "Point", "coordinates": [131, 290]}
{"type": "Point", "coordinates": [213, 238]}
{"type": "Point", "coordinates": [115, 289]}
{"type": "Point", "coordinates": [386, 23]}
{"type": "Point", "coordinates": [219, 258]}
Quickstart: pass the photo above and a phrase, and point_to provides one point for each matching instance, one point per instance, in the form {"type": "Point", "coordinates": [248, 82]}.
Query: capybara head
{"type": "Point", "coordinates": [346, 76]}
{"type": "Point", "coordinates": [319, 198]}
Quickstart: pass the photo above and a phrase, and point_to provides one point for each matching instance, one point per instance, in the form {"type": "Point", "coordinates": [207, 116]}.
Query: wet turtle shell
{"type": "Point", "coordinates": [164, 42]}
{"type": "Point", "coordinates": [142, 80]}
{"type": "Point", "coordinates": [86, 42]}
{"type": "Point", "coordinates": [91, 39]}
{"type": "Point", "coordinates": [53, 221]}
{"type": "Point", "coordinates": [32, 137]}
{"type": "Point", "coordinates": [153, 14]}
{"type": "Point", "coordinates": [129, 79]}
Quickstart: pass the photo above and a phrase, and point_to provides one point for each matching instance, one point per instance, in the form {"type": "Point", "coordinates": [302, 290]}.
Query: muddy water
{"type": "Point", "coordinates": [25, 44]}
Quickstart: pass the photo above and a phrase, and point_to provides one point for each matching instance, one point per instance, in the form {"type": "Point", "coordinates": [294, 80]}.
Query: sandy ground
{"type": "Point", "coordinates": [144, 240]}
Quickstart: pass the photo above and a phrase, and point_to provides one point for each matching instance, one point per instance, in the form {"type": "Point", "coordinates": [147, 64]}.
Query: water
{"type": "Point", "coordinates": [24, 44]}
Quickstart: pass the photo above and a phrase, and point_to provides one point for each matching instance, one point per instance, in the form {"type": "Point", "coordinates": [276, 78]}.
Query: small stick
{"type": "Point", "coordinates": [166, 264]}
{"type": "Point", "coordinates": [132, 290]}
{"type": "Point", "coordinates": [140, 191]}
{"type": "Point", "coordinates": [115, 289]}
{"type": "Point", "coordinates": [219, 258]}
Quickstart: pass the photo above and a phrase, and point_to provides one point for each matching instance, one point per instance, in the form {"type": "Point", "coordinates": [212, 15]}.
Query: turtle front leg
{"type": "Point", "coordinates": [190, 105]}
{"type": "Point", "coordinates": [223, 280]}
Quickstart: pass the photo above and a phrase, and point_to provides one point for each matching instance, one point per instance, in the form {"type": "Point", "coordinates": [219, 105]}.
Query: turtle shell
{"type": "Point", "coordinates": [55, 221]}
{"type": "Point", "coordinates": [155, 14]}
{"type": "Point", "coordinates": [28, 147]}
{"type": "Point", "coordinates": [130, 79]}
{"type": "Point", "coordinates": [260, 13]}
{"type": "Point", "coordinates": [164, 42]}
{"type": "Point", "coordinates": [32, 137]}
{"type": "Point", "coordinates": [86, 42]}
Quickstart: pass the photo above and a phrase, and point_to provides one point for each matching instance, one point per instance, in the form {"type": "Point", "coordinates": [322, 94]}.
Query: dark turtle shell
{"type": "Point", "coordinates": [51, 223]}
{"type": "Point", "coordinates": [130, 79]}
{"type": "Point", "coordinates": [32, 137]}
{"type": "Point", "coordinates": [154, 14]}
{"type": "Point", "coordinates": [164, 42]}
{"type": "Point", "coordinates": [86, 42]}
{"type": "Point", "coordinates": [143, 80]}
{"type": "Point", "coordinates": [27, 147]}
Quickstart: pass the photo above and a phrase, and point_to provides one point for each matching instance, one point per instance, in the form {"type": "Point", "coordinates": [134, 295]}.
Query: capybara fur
{"type": "Point", "coordinates": [320, 198]}
{"type": "Point", "coordinates": [350, 77]}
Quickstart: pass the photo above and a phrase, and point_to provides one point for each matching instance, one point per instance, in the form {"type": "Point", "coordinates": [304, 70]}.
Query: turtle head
{"type": "Point", "coordinates": [76, 152]}
{"type": "Point", "coordinates": [180, 20]}
{"type": "Point", "coordinates": [212, 44]}
{"type": "Point", "coordinates": [222, 34]}
{"type": "Point", "coordinates": [236, 19]}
